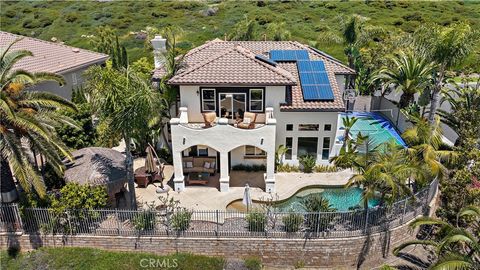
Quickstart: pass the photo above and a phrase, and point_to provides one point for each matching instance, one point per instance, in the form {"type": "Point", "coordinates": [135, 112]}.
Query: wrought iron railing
{"type": "Point", "coordinates": [272, 224]}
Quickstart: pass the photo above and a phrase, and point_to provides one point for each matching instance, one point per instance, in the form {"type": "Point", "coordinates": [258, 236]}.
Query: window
{"type": "Point", "coordinates": [308, 127]}
{"type": "Point", "coordinates": [208, 100]}
{"type": "Point", "coordinates": [256, 100]}
{"type": "Point", "coordinates": [254, 151]}
{"type": "Point", "coordinates": [202, 151]}
{"type": "Point", "coordinates": [326, 148]}
{"type": "Point", "coordinates": [327, 127]}
{"type": "Point", "coordinates": [307, 146]}
{"type": "Point", "coordinates": [288, 145]}
{"type": "Point", "coordinates": [74, 79]}
{"type": "Point", "coordinates": [289, 127]}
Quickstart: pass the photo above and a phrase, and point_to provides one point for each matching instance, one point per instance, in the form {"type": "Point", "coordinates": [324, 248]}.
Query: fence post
{"type": "Point", "coordinates": [217, 221]}
{"type": "Point", "coordinates": [118, 221]}
{"type": "Point", "coordinates": [18, 217]}
{"type": "Point", "coordinates": [404, 208]}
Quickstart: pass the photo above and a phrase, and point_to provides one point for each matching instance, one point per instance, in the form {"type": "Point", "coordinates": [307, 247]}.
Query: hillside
{"type": "Point", "coordinates": [68, 21]}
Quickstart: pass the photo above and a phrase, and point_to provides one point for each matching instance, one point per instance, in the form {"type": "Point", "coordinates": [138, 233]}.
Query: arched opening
{"type": "Point", "coordinates": [247, 166]}
{"type": "Point", "coordinates": [201, 165]}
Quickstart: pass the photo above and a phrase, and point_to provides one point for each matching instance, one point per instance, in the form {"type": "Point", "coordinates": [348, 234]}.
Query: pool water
{"type": "Point", "coordinates": [342, 199]}
{"type": "Point", "coordinates": [377, 127]}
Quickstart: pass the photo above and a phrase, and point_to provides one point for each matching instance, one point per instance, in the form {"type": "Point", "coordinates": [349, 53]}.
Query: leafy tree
{"type": "Point", "coordinates": [446, 46]}
{"type": "Point", "coordinates": [106, 41]}
{"type": "Point", "coordinates": [75, 196]}
{"type": "Point", "coordinates": [27, 123]}
{"type": "Point", "coordinates": [143, 66]}
{"type": "Point", "coordinates": [126, 101]}
{"type": "Point", "coordinates": [245, 29]}
{"type": "Point", "coordinates": [456, 247]}
{"type": "Point", "coordinates": [409, 75]}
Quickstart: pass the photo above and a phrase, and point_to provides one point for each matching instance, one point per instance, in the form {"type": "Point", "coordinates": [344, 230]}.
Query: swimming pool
{"type": "Point", "coordinates": [377, 127]}
{"type": "Point", "coordinates": [342, 199]}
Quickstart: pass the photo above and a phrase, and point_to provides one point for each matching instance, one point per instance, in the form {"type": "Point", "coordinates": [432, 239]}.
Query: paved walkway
{"type": "Point", "coordinates": [210, 198]}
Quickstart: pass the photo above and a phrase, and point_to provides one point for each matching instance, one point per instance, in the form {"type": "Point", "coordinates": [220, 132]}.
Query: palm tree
{"type": "Point", "coordinates": [245, 29]}
{"type": "Point", "coordinates": [348, 123]}
{"type": "Point", "coordinates": [27, 123]}
{"type": "Point", "coordinates": [126, 101]}
{"type": "Point", "coordinates": [278, 31]}
{"type": "Point", "coordinates": [446, 47]}
{"type": "Point", "coordinates": [455, 247]}
{"type": "Point", "coordinates": [425, 141]}
{"type": "Point", "coordinates": [409, 75]}
{"type": "Point", "coordinates": [464, 115]}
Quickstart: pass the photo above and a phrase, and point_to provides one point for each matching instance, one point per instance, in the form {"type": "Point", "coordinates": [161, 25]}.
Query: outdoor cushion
{"type": "Point", "coordinates": [212, 165]}
{"type": "Point", "coordinates": [247, 120]}
{"type": "Point", "coordinates": [206, 165]}
{"type": "Point", "coordinates": [189, 164]}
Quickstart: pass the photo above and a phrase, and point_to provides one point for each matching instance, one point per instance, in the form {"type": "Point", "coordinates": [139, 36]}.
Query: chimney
{"type": "Point", "coordinates": [159, 50]}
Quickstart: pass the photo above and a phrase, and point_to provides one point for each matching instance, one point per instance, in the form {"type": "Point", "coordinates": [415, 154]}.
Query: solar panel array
{"type": "Point", "coordinates": [313, 75]}
{"type": "Point", "coordinates": [314, 80]}
{"type": "Point", "coordinates": [288, 55]}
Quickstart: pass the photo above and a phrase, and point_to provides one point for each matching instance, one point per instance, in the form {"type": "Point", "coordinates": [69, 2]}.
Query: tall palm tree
{"type": "Point", "coordinates": [464, 115]}
{"type": "Point", "coordinates": [425, 141]}
{"type": "Point", "coordinates": [348, 123]}
{"type": "Point", "coordinates": [446, 46]}
{"type": "Point", "coordinates": [127, 101]}
{"type": "Point", "coordinates": [455, 247]}
{"type": "Point", "coordinates": [409, 75]}
{"type": "Point", "coordinates": [27, 123]}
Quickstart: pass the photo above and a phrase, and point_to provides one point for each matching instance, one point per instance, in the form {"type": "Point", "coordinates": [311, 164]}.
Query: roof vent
{"type": "Point", "coordinates": [75, 50]}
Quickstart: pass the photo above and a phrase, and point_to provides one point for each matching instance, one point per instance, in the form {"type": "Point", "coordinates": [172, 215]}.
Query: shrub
{"type": "Point", "coordinates": [253, 263]}
{"type": "Point", "coordinates": [249, 168]}
{"type": "Point", "coordinates": [76, 196]}
{"type": "Point", "coordinates": [325, 168]}
{"type": "Point", "coordinates": [316, 203]}
{"type": "Point", "coordinates": [144, 220]}
{"type": "Point", "coordinates": [256, 221]}
{"type": "Point", "coordinates": [71, 17]}
{"type": "Point", "coordinates": [180, 220]}
{"type": "Point", "coordinates": [287, 168]}
{"type": "Point", "coordinates": [308, 163]}
{"type": "Point", "coordinates": [292, 222]}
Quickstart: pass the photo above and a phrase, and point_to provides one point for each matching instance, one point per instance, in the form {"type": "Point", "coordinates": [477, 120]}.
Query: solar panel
{"type": "Point", "coordinates": [314, 80]}
{"type": "Point", "coordinates": [288, 55]}
{"type": "Point", "coordinates": [266, 60]}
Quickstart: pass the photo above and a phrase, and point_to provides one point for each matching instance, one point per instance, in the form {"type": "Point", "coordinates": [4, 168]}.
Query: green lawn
{"type": "Point", "coordinates": [68, 21]}
{"type": "Point", "coordinates": [89, 258]}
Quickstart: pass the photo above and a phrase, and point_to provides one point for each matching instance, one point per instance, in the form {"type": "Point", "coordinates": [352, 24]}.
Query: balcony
{"type": "Point", "coordinates": [223, 135]}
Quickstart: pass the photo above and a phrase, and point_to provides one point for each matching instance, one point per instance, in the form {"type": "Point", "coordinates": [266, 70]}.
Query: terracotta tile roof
{"type": "Point", "coordinates": [216, 69]}
{"type": "Point", "coordinates": [235, 65]}
{"type": "Point", "coordinates": [49, 56]}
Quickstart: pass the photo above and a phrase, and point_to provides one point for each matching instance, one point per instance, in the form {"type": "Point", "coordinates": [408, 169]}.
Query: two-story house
{"type": "Point", "coordinates": [241, 100]}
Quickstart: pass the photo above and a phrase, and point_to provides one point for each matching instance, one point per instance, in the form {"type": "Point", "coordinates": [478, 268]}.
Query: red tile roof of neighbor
{"type": "Point", "coordinates": [50, 56]}
{"type": "Point", "coordinates": [219, 62]}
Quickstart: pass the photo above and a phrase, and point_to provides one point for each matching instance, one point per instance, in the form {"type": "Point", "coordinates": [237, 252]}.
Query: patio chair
{"type": "Point", "coordinates": [142, 180]}
{"type": "Point", "coordinates": [248, 121]}
{"type": "Point", "coordinates": [209, 119]}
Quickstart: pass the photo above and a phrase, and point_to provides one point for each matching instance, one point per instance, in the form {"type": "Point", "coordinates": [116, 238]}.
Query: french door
{"type": "Point", "coordinates": [232, 105]}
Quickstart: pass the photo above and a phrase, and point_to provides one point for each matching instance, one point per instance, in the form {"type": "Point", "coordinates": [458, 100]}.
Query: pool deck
{"type": "Point", "coordinates": [210, 198]}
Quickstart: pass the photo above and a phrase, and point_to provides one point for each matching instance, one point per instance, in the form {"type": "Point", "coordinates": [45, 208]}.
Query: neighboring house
{"type": "Point", "coordinates": [70, 62]}
{"type": "Point", "coordinates": [293, 93]}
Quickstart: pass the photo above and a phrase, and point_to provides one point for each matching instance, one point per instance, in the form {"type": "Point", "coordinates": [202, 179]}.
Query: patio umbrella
{"type": "Point", "coordinates": [247, 199]}
{"type": "Point", "coordinates": [150, 166]}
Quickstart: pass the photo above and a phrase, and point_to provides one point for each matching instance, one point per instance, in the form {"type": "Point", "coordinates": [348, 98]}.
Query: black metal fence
{"type": "Point", "coordinates": [216, 223]}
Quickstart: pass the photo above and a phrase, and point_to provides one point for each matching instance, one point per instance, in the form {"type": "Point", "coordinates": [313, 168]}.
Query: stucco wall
{"type": "Point", "coordinates": [64, 91]}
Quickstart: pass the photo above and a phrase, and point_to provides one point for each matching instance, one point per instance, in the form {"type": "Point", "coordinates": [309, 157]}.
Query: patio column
{"type": "Point", "coordinates": [178, 180]}
{"type": "Point", "coordinates": [224, 177]}
{"type": "Point", "coordinates": [270, 174]}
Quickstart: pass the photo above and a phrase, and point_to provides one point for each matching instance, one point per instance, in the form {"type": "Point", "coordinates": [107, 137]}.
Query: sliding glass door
{"type": "Point", "coordinates": [232, 105]}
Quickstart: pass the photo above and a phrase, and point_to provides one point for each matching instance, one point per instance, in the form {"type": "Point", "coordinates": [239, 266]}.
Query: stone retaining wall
{"type": "Point", "coordinates": [339, 253]}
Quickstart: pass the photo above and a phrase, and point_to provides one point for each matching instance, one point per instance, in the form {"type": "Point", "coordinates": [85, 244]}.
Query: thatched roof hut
{"type": "Point", "coordinates": [97, 166]}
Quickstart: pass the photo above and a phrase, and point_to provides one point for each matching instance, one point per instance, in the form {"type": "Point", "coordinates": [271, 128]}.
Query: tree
{"type": "Point", "coordinates": [425, 148]}
{"type": "Point", "coordinates": [464, 115]}
{"type": "Point", "coordinates": [127, 102]}
{"type": "Point", "coordinates": [446, 46]}
{"type": "Point", "coordinates": [408, 75]}
{"type": "Point", "coordinates": [27, 123]}
{"type": "Point", "coordinates": [106, 41]}
{"type": "Point", "coordinates": [456, 247]}
{"type": "Point", "coordinates": [278, 31]}
{"type": "Point", "coordinates": [245, 29]}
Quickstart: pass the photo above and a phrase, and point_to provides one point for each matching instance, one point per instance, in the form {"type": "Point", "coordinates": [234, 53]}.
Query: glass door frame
{"type": "Point", "coordinates": [232, 94]}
